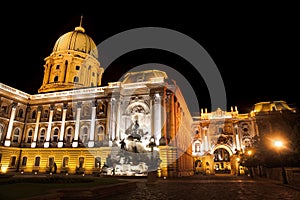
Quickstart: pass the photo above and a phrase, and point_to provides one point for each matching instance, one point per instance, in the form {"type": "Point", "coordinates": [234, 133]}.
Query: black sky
{"type": "Point", "coordinates": [256, 50]}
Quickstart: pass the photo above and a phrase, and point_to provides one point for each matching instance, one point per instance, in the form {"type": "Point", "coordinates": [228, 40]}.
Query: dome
{"type": "Point", "coordinates": [272, 106]}
{"type": "Point", "coordinates": [76, 40]}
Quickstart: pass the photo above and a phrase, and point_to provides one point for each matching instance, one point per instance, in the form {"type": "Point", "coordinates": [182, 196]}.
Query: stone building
{"type": "Point", "coordinates": [220, 137]}
{"type": "Point", "coordinates": [75, 125]}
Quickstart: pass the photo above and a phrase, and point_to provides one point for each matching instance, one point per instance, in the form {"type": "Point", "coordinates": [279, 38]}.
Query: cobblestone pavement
{"type": "Point", "coordinates": [210, 188]}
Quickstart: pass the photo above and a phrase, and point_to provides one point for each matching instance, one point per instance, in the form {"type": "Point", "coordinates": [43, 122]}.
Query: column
{"type": "Point", "coordinates": [62, 129]}
{"type": "Point", "coordinates": [46, 144]}
{"type": "Point", "coordinates": [172, 120]}
{"type": "Point", "coordinates": [157, 118]}
{"type": "Point", "coordinates": [10, 125]}
{"type": "Point", "coordinates": [205, 138]}
{"type": "Point", "coordinates": [77, 123]}
{"type": "Point", "coordinates": [238, 146]}
{"type": "Point", "coordinates": [111, 120]}
{"type": "Point", "coordinates": [92, 130]}
{"type": "Point", "coordinates": [36, 129]}
{"type": "Point", "coordinates": [118, 119]}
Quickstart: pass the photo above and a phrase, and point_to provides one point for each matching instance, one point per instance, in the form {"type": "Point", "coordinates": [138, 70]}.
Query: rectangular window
{"type": "Point", "coordinates": [81, 162]}
{"type": "Point", "coordinates": [97, 162]}
{"type": "Point", "coordinates": [0, 157]}
{"type": "Point", "coordinates": [66, 162]}
{"type": "Point", "coordinates": [24, 161]}
{"type": "Point", "coordinates": [51, 161]}
{"type": "Point", "coordinates": [37, 161]}
{"type": "Point", "coordinates": [13, 160]}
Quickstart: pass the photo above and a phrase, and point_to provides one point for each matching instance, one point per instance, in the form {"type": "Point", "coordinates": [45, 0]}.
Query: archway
{"type": "Point", "coordinates": [222, 161]}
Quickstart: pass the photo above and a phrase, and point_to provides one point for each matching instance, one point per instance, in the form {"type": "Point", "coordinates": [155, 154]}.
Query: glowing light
{"type": "Point", "coordinates": [4, 169]}
{"type": "Point", "coordinates": [278, 143]}
{"type": "Point", "coordinates": [249, 152]}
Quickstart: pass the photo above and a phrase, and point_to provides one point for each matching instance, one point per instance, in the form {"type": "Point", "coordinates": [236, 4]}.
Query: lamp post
{"type": "Point", "coordinates": [151, 173]}
{"type": "Point", "coordinates": [249, 152]}
{"type": "Point", "coordinates": [238, 162]}
{"type": "Point", "coordinates": [278, 144]}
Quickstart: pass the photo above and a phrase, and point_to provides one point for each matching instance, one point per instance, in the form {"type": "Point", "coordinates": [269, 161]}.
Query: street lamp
{"type": "Point", "coordinates": [249, 152]}
{"type": "Point", "coordinates": [152, 174]}
{"type": "Point", "coordinates": [238, 162]}
{"type": "Point", "coordinates": [279, 144]}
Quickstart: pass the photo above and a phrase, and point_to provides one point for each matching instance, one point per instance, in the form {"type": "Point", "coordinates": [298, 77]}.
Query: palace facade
{"type": "Point", "coordinates": [141, 123]}
{"type": "Point", "coordinates": [78, 126]}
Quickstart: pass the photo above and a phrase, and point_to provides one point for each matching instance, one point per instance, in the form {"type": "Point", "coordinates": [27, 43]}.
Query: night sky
{"type": "Point", "coordinates": [255, 50]}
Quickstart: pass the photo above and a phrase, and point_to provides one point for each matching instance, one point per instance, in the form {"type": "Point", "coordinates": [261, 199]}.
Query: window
{"type": "Point", "coordinates": [4, 109]}
{"type": "Point", "coordinates": [56, 79]}
{"type": "Point", "coordinates": [57, 66]}
{"type": "Point", "coordinates": [97, 162]}
{"type": "Point", "coordinates": [20, 114]}
{"type": "Point", "coordinates": [16, 135]}
{"type": "Point", "coordinates": [84, 135]}
{"type": "Point", "coordinates": [29, 136]}
{"type": "Point", "coordinates": [46, 113]}
{"type": "Point", "coordinates": [42, 135]}
{"type": "Point", "coordinates": [76, 79]}
{"type": "Point", "coordinates": [65, 162]}
{"type": "Point", "coordinates": [77, 67]}
{"type": "Point", "coordinates": [37, 161]}
{"type": "Point", "coordinates": [197, 147]}
{"type": "Point", "coordinates": [33, 114]}
{"type": "Point", "coordinates": [55, 135]}
{"type": "Point", "coordinates": [81, 162]}
{"type": "Point", "coordinates": [13, 160]}
{"type": "Point", "coordinates": [1, 132]}
{"type": "Point", "coordinates": [69, 135]}
{"type": "Point", "coordinates": [24, 161]}
{"type": "Point", "coordinates": [0, 157]}
{"type": "Point", "coordinates": [99, 135]}
{"type": "Point", "coordinates": [51, 162]}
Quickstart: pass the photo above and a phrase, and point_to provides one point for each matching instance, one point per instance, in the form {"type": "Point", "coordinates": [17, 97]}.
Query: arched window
{"type": "Point", "coordinates": [65, 162]}
{"type": "Point", "coordinates": [84, 135]}
{"type": "Point", "coordinates": [76, 79]}
{"type": "Point", "coordinates": [24, 161]}
{"type": "Point", "coordinates": [16, 135]}
{"type": "Point", "coordinates": [55, 79]}
{"type": "Point", "coordinates": [46, 114]}
{"type": "Point", "coordinates": [55, 135]}
{"type": "Point", "coordinates": [13, 162]}
{"type": "Point", "coordinates": [99, 134]}
{"type": "Point", "coordinates": [33, 114]}
{"type": "Point", "coordinates": [37, 161]}
{"type": "Point", "coordinates": [69, 135]}
{"type": "Point", "coordinates": [20, 114]}
{"type": "Point", "coordinates": [221, 155]}
{"type": "Point", "coordinates": [42, 135]}
{"type": "Point", "coordinates": [29, 136]}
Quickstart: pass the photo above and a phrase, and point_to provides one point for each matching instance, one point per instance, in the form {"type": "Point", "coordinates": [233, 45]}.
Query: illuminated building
{"type": "Point", "coordinates": [220, 136]}
{"type": "Point", "coordinates": [78, 125]}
